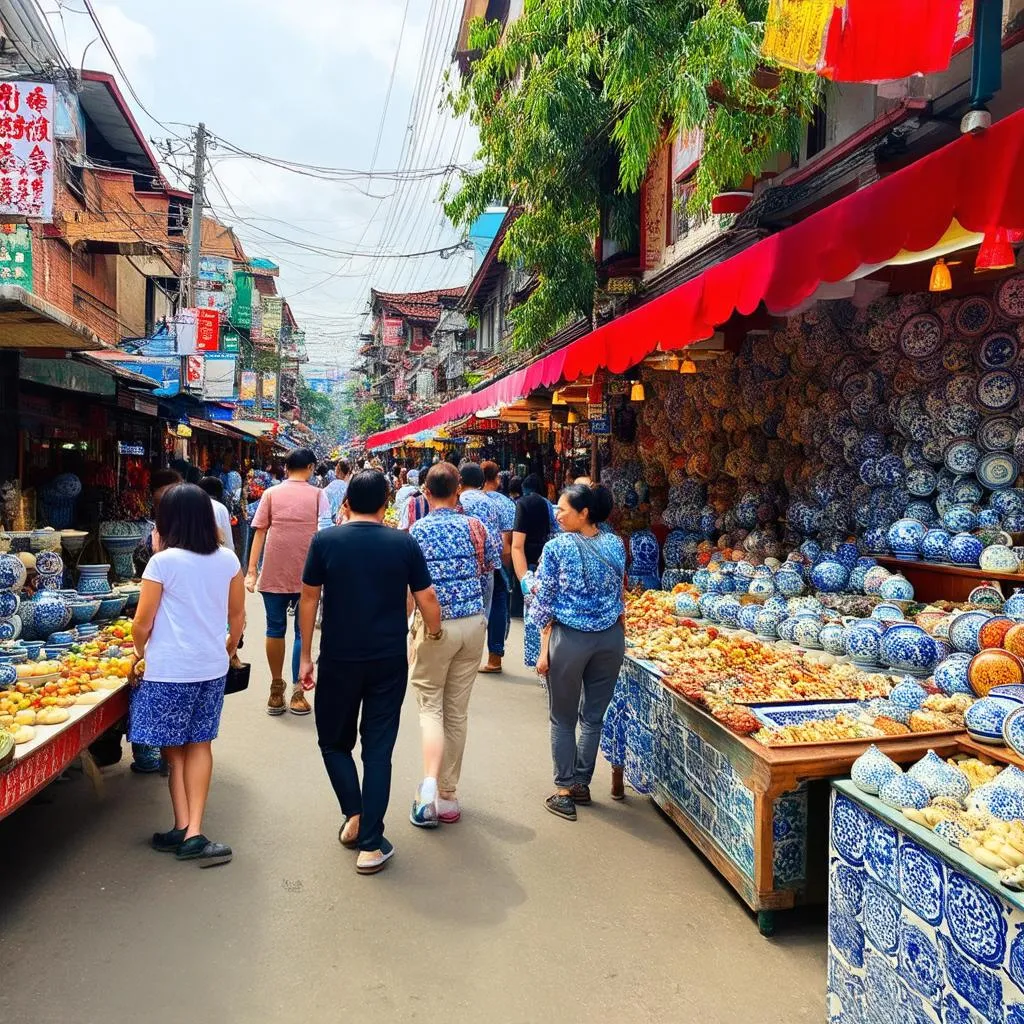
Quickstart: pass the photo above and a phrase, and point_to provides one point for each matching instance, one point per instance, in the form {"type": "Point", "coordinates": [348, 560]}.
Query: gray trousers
{"type": "Point", "coordinates": [487, 589]}
{"type": "Point", "coordinates": [582, 672]}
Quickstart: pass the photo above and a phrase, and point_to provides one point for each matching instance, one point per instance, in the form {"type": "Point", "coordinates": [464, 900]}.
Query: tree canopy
{"type": "Point", "coordinates": [575, 98]}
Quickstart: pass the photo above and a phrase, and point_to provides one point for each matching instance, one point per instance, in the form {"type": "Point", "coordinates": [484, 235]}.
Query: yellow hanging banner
{"type": "Point", "coordinates": [795, 32]}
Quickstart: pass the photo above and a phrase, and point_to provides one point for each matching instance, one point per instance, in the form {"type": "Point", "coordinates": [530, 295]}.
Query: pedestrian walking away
{"type": "Point", "coordinates": [499, 620]}
{"type": "Point", "coordinates": [579, 606]}
{"type": "Point", "coordinates": [474, 502]}
{"type": "Point", "coordinates": [191, 587]}
{"type": "Point", "coordinates": [336, 489]}
{"type": "Point", "coordinates": [444, 665]}
{"type": "Point", "coordinates": [533, 526]}
{"type": "Point", "coordinates": [288, 517]}
{"type": "Point", "coordinates": [364, 571]}
{"type": "Point", "coordinates": [214, 487]}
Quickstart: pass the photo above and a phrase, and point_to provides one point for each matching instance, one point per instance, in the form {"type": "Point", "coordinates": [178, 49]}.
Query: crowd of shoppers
{"type": "Point", "coordinates": [410, 606]}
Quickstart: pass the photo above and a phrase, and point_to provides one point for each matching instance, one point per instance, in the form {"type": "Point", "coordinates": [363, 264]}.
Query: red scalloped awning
{"type": "Point", "coordinates": [974, 180]}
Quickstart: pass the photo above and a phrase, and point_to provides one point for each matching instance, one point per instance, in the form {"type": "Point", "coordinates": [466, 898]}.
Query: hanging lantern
{"type": "Point", "coordinates": [572, 418]}
{"type": "Point", "coordinates": [636, 392]}
{"type": "Point", "coordinates": [995, 252]}
{"type": "Point", "coordinates": [941, 280]}
{"type": "Point", "coordinates": [688, 366]}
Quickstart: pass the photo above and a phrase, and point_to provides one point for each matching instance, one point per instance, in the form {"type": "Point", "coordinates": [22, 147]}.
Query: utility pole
{"type": "Point", "coordinates": [196, 234]}
{"type": "Point", "coordinates": [277, 389]}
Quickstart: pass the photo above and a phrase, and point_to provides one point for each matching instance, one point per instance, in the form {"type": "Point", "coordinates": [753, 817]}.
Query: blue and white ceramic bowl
{"type": "Point", "coordinates": [863, 639]}
{"type": "Point", "coordinates": [768, 621]}
{"type": "Point", "coordinates": [906, 647]}
{"type": "Point", "coordinates": [49, 563]}
{"type": "Point", "coordinates": [897, 588]}
{"type": "Point", "coordinates": [807, 632]}
{"type": "Point", "coordinates": [964, 629]}
{"type": "Point", "coordinates": [904, 537]}
{"type": "Point", "coordinates": [1014, 606]}
{"type": "Point", "coordinates": [831, 639]}
{"type": "Point", "coordinates": [886, 612]}
{"type": "Point", "coordinates": [960, 518]}
{"type": "Point", "coordinates": [747, 618]}
{"type": "Point", "coordinates": [84, 610]}
{"type": "Point", "coordinates": [965, 549]}
{"type": "Point", "coordinates": [10, 628]}
{"type": "Point", "coordinates": [951, 674]}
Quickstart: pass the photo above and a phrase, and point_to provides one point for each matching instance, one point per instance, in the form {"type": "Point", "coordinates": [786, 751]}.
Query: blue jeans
{"type": "Point", "coordinates": [276, 607]}
{"type": "Point", "coordinates": [498, 620]}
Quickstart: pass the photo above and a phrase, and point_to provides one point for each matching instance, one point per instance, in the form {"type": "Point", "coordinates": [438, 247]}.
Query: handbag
{"type": "Point", "coordinates": [238, 676]}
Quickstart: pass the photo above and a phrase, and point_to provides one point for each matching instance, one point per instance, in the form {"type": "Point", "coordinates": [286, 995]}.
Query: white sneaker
{"type": "Point", "coordinates": [423, 815]}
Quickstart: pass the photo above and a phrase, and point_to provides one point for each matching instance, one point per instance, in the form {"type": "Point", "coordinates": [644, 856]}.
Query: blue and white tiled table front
{"type": "Point", "coordinates": [918, 932]}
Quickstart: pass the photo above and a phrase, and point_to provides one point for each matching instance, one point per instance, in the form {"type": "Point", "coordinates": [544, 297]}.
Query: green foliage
{"type": "Point", "coordinates": [370, 419]}
{"type": "Point", "coordinates": [317, 409]}
{"type": "Point", "coordinates": [574, 101]}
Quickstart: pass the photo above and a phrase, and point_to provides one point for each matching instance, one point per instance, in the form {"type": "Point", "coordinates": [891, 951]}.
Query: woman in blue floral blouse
{"type": "Point", "coordinates": [579, 606]}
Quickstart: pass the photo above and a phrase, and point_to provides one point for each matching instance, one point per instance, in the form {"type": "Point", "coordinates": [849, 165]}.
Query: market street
{"type": "Point", "coordinates": [510, 916]}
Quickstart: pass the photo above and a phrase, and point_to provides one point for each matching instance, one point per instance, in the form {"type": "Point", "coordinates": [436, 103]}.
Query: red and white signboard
{"type": "Point", "coordinates": [394, 331]}
{"type": "Point", "coordinates": [195, 367]}
{"type": "Point", "coordinates": [26, 149]}
{"type": "Point", "coordinates": [207, 330]}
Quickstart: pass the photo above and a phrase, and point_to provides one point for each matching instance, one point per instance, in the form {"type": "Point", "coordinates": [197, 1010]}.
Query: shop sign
{"type": "Point", "coordinates": [393, 331]}
{"type": "Point", "coordinates": [601, 425]}
{"type": "Point", "coordinates": [216, 268]}
{"type": "Point", "coordinates": [26, 149]}
{"type": "Point", "coordinates": [68, 375]}
{"type": "Point", "coordinates": [207, 330]}
{"type": "Point", "coordinates": [128, 448]}
{"type": "Point", "coordinates": [241, 303]}
{"type": "Point", "coordinates": [194, 371]}
{"type": "Point", "coordinates": [220, 376]}
{"type": "Point", "coordinates": [621, 285]}
{"type": "Point", "coordinates": [269, 389]}
{"type": "Point", "coordinates": [230, 340]}
{"type": "Point", "coordinates": [654, 201]}
{"type": "Point", "coordinates": [272, 309]}
{"type": "Point", "coordinates": [16, 255]}
{"type": "Point", "coordinates": [218, 299]}
{"type": "Point", "coordinates": [247, 390]}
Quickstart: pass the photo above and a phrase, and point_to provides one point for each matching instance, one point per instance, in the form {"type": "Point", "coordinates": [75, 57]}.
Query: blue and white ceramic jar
{"type": "Point", "coordinates": [1014, 606]}
{"type": "Point", "coordinates": [960, 518]}
{"type": "Point", "coordinates": [92, 579]}
{"type": "Point", "coordinates": [830, 576]}
{"type": "Point", "coordinates": [875, 541]}
{"type": "Point", "coordinates": [886, 612]}
{"type": "Point", "coordinates": [863, 639]}
{"type": "Point", "coordinates": [767, 621]}
{"type": "Point", "coordinates": [9, 602]}
{"type": "Point", "coordinates": [789, 582]}
{"type": "Point", "coordinates": [686, 606]}
{"type": "Point", "coordinates": [761, 587]}
{"type": "Point", "coordinates": [872, 769]}
{"type": "Point", "coordinates": [906, 647]}
{"type": "Point", "coordinates": [807, 631]}
{"type": "Point", "coordinates": [965, 549]}
{"type": "Point", "coordinates": [935, 546]}
{"type": "Point", "coordinates": [904, 538]}
{"type": "Point", "coordinates": [12, 572]}
{"type": "Point", "coordinates": [964, 629]}
{"type": "Point", "coordinates": [831, 639]}
{"type": "Point", "coordinates": [747, 618]}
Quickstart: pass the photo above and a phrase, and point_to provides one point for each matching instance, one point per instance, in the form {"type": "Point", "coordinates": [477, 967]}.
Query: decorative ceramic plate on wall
{"type": "Point", "coordinates": [921, 336]}
{"type": "Point", "coordinates": [974, 316]}
{"type": "Point", "coordinates": [996, 433]}
{"type": "Point", "coordinates": [998, 390]}
{"type": "Point", "coordinates": [998, 350]}
{"type": "Point", "coordinates": [961, 456]}
{"type": "Point", "coordinates": [1010, 297]}
{"type": "Point", "coordinates": [997, 470]}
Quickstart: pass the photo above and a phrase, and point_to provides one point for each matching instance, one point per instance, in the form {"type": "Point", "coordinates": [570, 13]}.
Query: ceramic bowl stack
{"type": "Point", "coordinates": [93, 581]}
{"type": "Point", "coordinates": [50, 568]}
{"type": "Point", "coordinates": [12, 579]}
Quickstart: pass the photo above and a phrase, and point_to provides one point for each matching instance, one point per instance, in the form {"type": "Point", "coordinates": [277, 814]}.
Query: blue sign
{"type": "Point", "coordinates": [601, 425]}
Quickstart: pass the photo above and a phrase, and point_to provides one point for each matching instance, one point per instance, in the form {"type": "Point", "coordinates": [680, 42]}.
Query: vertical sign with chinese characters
{"type": "Point", "coordinates": [241, 306]}
{"type": "Point", "coordinates": [207, 330]}
{"type": "Point", "coordinates": [393, 331]}
{"type": "Point", "coordinates": [654, 206]}
{"type": "Point", "coordinates": [16, 255]}
{"type": "Point", "coordinates": [26, 149]}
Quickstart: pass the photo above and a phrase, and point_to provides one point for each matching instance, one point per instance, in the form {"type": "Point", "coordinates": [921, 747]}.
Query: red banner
{"type": "Point", "coordinates": [394, 331]}
{"type": "Point", "coordinates": [207, 330]}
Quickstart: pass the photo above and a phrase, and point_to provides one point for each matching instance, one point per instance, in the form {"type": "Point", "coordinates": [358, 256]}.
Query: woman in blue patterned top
{"type": "Point", "coordinates": [579, 607]}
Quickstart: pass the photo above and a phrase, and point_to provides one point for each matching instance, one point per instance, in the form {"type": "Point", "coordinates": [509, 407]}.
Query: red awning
{"type": "Point", "coordinates": [974, 180]}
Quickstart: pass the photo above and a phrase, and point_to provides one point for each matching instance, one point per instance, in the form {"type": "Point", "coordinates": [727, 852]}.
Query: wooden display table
{"type": "Point", "coordinates": [742, 804]}
{"type": "Point", "coordinates": [934, 581]}
{"type": "Point", "coordinates": [39, 762]}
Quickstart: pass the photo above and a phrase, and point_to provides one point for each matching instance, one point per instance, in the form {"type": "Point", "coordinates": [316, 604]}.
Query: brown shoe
{"type": "Point", "coordinates": [298, 705]}
{"type": "Point", "coordinates": [493, 665]}
{"type": "Point", "coordinates": [580, 794]}
{"type": "Point", "coordinates": [275, 706]}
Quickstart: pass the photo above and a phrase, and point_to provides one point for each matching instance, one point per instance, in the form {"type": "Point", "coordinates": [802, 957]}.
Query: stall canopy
{"type": "Point", "coordinates": [974, 181]}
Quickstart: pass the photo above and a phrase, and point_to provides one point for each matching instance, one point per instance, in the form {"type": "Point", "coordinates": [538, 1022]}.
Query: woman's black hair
{"type": "Point", "coordinates": [184, 519]}
{"type": "Point", "coordinates": [515, 486]}
{"type": "Point", "coordinates": [533, 484]}
{"type": "Point", "coordinates": [595, 501]}
{"type": "Point", "coordinates": [214, 487]}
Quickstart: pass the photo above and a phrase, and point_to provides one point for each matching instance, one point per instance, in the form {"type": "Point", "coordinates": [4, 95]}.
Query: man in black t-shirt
{"type": "Point", "coordinates": [366, 571]}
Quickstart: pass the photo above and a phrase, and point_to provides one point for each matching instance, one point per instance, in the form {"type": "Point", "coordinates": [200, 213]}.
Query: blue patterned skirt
{"type": "Point", "coordinates": [173, 714]}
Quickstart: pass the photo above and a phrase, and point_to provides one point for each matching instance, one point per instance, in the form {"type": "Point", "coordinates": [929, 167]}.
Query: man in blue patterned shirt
{"type": "Point", "coordinates": [498, 620]}
{"type": "Point", "coordinates": [460, 556]}
{"type": "Point", "coordinates": [476, 503]}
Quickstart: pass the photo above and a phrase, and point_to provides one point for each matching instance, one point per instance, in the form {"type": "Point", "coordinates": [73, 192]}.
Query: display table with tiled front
{"type": "Point", "coordinates": [745, 806]}
{"type": "Point", "coordinates": [918, 931]}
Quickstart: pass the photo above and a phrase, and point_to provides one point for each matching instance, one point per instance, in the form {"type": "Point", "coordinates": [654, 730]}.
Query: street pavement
{"type": "Point", "coordinates": [512, 916]}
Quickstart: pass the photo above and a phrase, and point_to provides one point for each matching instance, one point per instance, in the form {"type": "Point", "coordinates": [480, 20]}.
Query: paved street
{"type": "Point", "coordinates": [511, 916]}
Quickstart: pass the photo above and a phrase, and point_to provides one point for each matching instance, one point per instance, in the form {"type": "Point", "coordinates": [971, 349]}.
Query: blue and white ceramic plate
{"type": "Point", "coordinates": [921, 336]}
{"type": "Point", "coordinates": [974, 316]}
{"type": "Point", "coordinates": [961, 456]}
{"type": "Point", "coordinates": [1013, 730]}
{"type": "Point", "coordinates": [962, 388]}
{"type": "Point", "coordinates": [1010, 297]}
{"type": "Point", "coordinates": [996, 433]}
{"type": "Point", "coordinates": [998, 350]}
{"type": "Point", "coordinates": [998, 390]}
{"type": "Point", "coordinates": [776, 716]}
{"type": "Point", "coordinates": [961, 420]}
{"type": "Point", "coordinates": [997, 470]}
{"type": "Point", "coordinates": [921, 481]}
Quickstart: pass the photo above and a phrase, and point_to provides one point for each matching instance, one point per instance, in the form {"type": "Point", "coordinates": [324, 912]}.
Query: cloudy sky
{"type": "Point", "coordinates": [306, 81]}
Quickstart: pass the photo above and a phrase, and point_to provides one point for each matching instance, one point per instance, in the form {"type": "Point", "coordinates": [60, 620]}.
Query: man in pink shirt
{"type": "Point", "coordinates": [285, 523]}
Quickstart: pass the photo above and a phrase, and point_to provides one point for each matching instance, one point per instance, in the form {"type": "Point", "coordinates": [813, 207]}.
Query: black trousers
{"type": "Point", "coordinates": [376, 689]}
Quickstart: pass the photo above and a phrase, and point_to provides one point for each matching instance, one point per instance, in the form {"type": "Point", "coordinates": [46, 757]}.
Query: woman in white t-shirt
{"type": "Point", "coordinates": [191, 587]}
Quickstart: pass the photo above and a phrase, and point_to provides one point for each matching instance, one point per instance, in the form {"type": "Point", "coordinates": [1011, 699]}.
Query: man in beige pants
{"type": "Point", "coordinates": [460, 556]}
